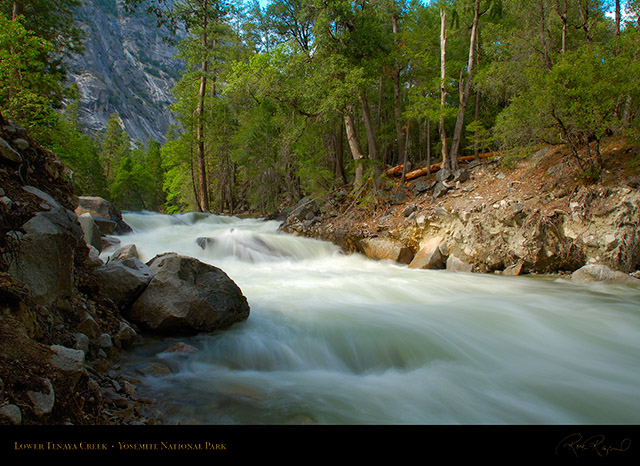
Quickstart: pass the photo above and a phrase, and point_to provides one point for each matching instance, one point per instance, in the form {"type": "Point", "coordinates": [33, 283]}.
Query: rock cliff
{"type": "Point", "coordinates": [126, 68]}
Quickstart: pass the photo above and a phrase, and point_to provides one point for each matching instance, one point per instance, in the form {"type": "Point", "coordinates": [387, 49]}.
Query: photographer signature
{"type": "Point", "coordinates": [576, 444]}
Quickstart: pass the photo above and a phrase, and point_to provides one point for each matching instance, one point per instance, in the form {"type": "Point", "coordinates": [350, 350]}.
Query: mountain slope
{"type": "Point", "coordinates": [126, 68]}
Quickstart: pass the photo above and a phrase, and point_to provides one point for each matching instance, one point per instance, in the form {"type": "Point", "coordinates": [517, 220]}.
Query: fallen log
{"type": "Point", "coordinates": [395, 171]}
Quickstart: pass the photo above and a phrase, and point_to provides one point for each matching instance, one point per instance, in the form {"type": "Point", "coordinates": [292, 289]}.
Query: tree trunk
{"type": "Point", "coordinates": [397, 108]}
{"type": "Point", "coordinates": [380, 95]}
{"type": "Point", "coordinates": [457, 135]}
{"type": "Point", "coordinates": [372, 143]}
{"type": "Point", "coordinates": [406, 155]}
{"type": "Point", "coordinates": [428, 143]}
{"type": "Point", "coordinates": [543, 37]}
{"type": "Point", "coordinates": [561, 10]}
{"type": "Point", "coordinates": [202, 171]}
{"type": "Point", "coordinates": [354, 145]}
{"type": "Point", "coordinates": [18, 9]}
{"type": "Point", "coordinates": [443, 91]}
{"type": "Point", "coordinates": [339, 165]}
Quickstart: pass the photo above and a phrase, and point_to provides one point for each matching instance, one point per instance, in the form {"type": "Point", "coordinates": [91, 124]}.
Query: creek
{"type": "Point", "coordinates": [340, 339]}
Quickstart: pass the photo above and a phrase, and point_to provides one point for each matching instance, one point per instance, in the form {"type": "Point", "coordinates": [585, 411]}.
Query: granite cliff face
{"type": "Point", "coordinates": [126, 68]}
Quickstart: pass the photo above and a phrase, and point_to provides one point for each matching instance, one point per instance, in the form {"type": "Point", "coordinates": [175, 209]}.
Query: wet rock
{"type": "Point", "coordinates": [382, 248]}
{"type": "Point", "coordinates": [188, 296]}
{"type": "Point", "coordinates": [602, 273]}
{"type": "Point", "coordinates": [182, 348]}
{"type": "Point", "coordinates": [457, 265]}
{"type": "Point", "coordinates": [154, 369]}
{"type": "Point", "coordinates": [204, 243]}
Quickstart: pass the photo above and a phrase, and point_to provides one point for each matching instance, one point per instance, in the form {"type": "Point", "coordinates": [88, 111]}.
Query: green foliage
{"type": "Point", "coordinates": [575, 102]}
{"type": "Point", "coordinates": [28, 94]}
{"type": "Point", "coordinates": [131, 184]}
{"type": "Point", "coordinates": [278, 82]}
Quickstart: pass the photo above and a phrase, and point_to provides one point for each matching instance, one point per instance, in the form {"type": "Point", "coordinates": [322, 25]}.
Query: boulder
{"type": "Point", "coordinates": [440, 189]}
{"type": "Point", "coordinates": [102, 209]}
{"type": "Point", "coordinates": [204, 242]}
{"type": "Point", "coordinates": [305, 208]}
{"type": "Point", "coordinates": [421, 187]}
{"type": "Point", "coordinates": [68, 365]}
{"type": "Point", "coordinates": [444, 175]}
{"type": "Point", "coordinates": [126, 334]}
{"type": "Point", "coordinates": [429, 256]}
{"type": "Point", "coordinates": [602, 273]}
{"type": "Point", "coordinates": [43, 399]}
{"type": "Point", "coordinates": [382, 248]}
{"type": "Point", "coordinates": [50, 238]}
{"type": "Point", "coordinates": [398, 198]}
{"type": "Point", "coordinates": [457, 265]}
{"type": "Point", "coordinates": [122, 281]}
{"type": "Point", "coordinates": [8, 152]}
{"type": "Point", "coordinates": [92, 234]}
{"type": "Point", "coordinates": [187, 296]}
{"type": "Point", "coordinates": [514, 270]}
{"type": "Point", "coordinates": [106, 226]}
{"type": "Point", "coordinates": [128, 251]}
{"type": "Point", "coordinates": [11, 414]}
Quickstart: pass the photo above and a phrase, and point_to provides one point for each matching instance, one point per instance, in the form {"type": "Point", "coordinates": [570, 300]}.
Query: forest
{"type": "Point", "coordinates": [307, 98]}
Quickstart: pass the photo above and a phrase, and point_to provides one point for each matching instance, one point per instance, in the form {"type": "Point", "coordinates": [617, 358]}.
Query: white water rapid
{"type": "Point", "coordinates": [340, 339]}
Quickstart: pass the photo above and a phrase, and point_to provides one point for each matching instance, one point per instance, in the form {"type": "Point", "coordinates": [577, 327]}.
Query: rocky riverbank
{"type": "Point", "coordinates": [65, 316]}
{"type": "Point", "coordinates": [533, 215]}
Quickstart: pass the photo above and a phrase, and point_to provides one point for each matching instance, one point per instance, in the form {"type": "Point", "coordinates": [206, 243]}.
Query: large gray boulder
{"type": "Point", "coordinates": [47, 249]}
{"type": "Point", "coordinates": [187, 296]}
{"type": "Point", "coordinates": [101, 209]}
{"type": "Point", "coordinates": [122, 281]}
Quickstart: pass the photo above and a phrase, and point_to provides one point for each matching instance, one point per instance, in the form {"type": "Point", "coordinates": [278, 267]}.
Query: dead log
{"type": "Point", "coordinates": [395, 171]}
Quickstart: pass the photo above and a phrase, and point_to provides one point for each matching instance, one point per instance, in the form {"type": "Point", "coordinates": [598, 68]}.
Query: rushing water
{"type": "Point", "coordinates": [339, 339]}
